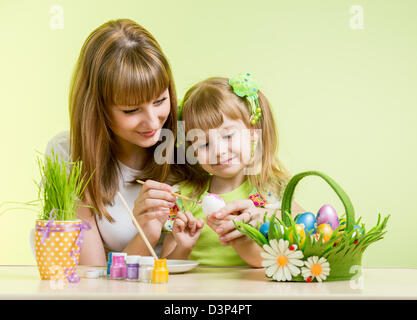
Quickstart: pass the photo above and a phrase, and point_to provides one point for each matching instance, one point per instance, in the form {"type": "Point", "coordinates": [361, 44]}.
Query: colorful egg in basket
{"type": "Point", "coordinates": [327, 215]}
{"type": "Point", "coordinates": [331, 252]}
{"type": "Point", "coordinates": [308, 220]}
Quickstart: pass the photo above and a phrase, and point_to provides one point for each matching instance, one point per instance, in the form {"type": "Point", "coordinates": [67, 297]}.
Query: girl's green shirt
{"type": "Point", "coordinates": [209, 250]}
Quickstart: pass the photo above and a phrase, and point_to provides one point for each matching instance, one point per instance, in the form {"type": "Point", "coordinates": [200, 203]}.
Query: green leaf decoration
{"type": "Point", "coordinates": [251, 232]}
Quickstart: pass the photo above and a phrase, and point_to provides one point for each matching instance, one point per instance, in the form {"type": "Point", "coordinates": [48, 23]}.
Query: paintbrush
{"type": "Point", "coordinates": [176, 194]}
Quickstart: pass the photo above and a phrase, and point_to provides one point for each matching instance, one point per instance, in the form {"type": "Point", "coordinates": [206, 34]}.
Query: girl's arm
{"type": "Point", "coordinates": [248, 250]}
{"type": "Point", "coordinates": [168, 246]}
{"type": "Point", "coordinates": [242, 210]}
{"type": "Point", "coordinates": [295, 209]}
{"type": "Point", "coordinates": [179, 253]}
{"type": "Point", "coordinates": [92, 249]}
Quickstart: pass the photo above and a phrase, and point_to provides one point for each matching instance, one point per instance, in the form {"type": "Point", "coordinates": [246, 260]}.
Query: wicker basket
{"type": "Point", "coordinates": [341, 254]}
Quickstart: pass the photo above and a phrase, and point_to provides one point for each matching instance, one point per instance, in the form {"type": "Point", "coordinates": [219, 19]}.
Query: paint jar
{"type": "Point", "coordinates": [109, 263]}
{"type": "Point", "coordinates": [93, 273]}
{"type": "Point", "coordinates": [160, 272]}
{"type": "Point", "coordinates": [118, 267]}
{"type": "Point", "coordinates": [146, 269]}
{"type": "Point", "coordinates": [132, 268]}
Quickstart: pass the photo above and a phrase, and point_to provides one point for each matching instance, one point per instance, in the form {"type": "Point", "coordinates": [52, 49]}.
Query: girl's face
{"type": "Point", "coordinates": [140, 125]}
{"type": "Point", "coordinates": [225, 151]}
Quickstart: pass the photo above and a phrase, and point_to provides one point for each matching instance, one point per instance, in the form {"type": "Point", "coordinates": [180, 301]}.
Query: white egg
{"type": "Point", "coordinates": [211, 203]}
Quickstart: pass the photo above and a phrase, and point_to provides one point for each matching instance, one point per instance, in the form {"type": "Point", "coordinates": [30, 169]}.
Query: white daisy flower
{"type": "Point", "coordinates": [316, 268]}
{"type": "Point", "coordinates": [281, 261]}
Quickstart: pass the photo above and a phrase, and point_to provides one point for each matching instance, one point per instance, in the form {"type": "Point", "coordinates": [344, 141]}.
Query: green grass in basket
{"type": "Point", "coordinates": [61, 188]}
{"type": "Point", "coordinates": [339, 247]}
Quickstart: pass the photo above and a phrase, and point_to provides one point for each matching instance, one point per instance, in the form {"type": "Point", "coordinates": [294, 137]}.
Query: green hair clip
{"type": "Point", "coordinates": [245, 86]}
{"type": "Point", "coordinates": [180, 103]}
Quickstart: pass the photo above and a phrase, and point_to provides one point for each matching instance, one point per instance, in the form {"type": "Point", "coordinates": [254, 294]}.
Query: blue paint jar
{"type": "Point", "coordinates": [109, 262]}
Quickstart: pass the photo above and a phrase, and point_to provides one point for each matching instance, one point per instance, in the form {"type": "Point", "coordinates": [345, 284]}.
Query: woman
{"type": "Point", "coordinates": [122, 95]}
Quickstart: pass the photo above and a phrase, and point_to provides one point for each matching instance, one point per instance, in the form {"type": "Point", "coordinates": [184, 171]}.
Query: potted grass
{"type": "Point", "coordinates": [58, 233]}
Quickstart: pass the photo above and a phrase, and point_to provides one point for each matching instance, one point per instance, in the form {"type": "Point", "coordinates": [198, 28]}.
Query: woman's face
{"type": "Point", "coordinates": [140, 125]}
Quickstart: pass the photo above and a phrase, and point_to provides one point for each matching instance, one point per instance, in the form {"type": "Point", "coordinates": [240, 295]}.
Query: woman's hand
{"type": "Point", "coordinates": [240, 210]}
{"type": "Point", "coordinates": [186, 230]}
{"type": "Point", "coordinates": [152, 206]}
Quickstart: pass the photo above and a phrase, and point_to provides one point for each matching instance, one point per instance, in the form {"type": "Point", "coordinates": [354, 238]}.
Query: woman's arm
{"type": "Point", "coordinates": [92, 250]}
{"type": "Point", "coordinates": [137, 246]}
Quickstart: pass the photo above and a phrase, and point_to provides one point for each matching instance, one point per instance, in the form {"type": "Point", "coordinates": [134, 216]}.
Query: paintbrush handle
{"type": "Point", "coordinates": [142, 234]}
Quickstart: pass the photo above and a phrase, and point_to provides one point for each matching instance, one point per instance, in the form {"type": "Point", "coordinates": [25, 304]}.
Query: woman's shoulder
{"type": "Point", "coordinates": [59, 144]}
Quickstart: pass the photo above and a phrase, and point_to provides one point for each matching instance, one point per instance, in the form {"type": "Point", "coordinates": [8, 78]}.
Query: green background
{"type": "Point", "coordinates": [344, 99]}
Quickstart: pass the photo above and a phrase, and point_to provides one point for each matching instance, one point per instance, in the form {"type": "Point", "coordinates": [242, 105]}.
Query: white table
{"type": "Point", "coordinates": [207, 283]}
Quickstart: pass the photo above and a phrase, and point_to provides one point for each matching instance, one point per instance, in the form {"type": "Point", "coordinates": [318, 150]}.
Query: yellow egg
{"type": "Point", "coordinates": [301, 234]}
{"type": "Point", "coordinates": [325, 230]}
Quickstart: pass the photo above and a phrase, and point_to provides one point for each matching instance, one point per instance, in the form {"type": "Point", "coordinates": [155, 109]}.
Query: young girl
{"type": "Point", "coordinates": [122, 95]}
{"type": "Point", "coordinates": [234, 138]}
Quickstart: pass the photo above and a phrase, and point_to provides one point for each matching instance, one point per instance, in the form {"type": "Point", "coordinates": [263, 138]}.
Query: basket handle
{"type": "Point", "coordinates": [289, 193]}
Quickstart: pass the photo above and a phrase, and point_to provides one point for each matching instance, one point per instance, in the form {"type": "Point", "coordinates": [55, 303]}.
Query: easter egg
{"type": "Point", "coordinates": [342, 225]}
{"type": "Point", "coordinates": [301, 234]}
{"type": "Point", "coordinates": [308, 220]}
{"type": "Point", "coordinates": [264, 229]}
{"type": "Point", "coordinates": [355, 233]}
{"type": "Point", "coordinates": [325, 230]}
{"type": "Point", "coordinates": [327, 214]}
{"type": "Point", "coordinates": [212, 203]}
{"type": "Point", "coordinates": [315, 237]}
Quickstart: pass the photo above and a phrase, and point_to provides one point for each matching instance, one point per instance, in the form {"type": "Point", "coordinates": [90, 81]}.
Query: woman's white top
{"type": "Point", "coordinates": [118, 234]}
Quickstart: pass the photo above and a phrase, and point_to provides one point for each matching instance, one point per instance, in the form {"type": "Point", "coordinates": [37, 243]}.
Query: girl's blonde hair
{"type": "Point", "coordinates": [203, 107]}
{"type": "Point", "coordinates": [120, 63]}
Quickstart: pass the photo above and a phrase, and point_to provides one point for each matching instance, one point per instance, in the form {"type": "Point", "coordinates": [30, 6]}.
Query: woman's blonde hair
{"type": "Point", "coordinates": [120, 63]}
{"type": "Point", "coordinates": [203, 107]}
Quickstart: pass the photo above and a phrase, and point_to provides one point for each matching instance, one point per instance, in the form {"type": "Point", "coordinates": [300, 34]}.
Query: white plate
{"type": "Point", "coordinates": [178, 266]}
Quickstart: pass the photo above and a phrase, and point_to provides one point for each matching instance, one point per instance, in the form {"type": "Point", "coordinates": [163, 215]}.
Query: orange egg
{"type": "Point", "coordinates": [325, 230]}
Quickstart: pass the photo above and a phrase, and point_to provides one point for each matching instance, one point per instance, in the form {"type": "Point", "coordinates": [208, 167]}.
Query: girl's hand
{"type": "Point", "coordinates": [152, 206]}
{"type": "Point", "coordinates": [239, 210]}
{"type": "Point", "coordinates": [214, 222]}
{"type": "Point", "coordinates": [186, 230]}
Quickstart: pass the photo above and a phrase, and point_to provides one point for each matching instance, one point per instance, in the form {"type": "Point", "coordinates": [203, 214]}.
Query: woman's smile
{"type": "Point", "coordinates": [147, 134]}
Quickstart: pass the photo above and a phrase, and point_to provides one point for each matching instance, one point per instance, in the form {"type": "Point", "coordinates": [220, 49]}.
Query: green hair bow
{"type": "Point", "coordinates": [245, 86]}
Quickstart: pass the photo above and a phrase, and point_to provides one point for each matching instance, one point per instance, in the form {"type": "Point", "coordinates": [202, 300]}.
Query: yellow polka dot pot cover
{"type": "Point", "coordinates": [56, 248]}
